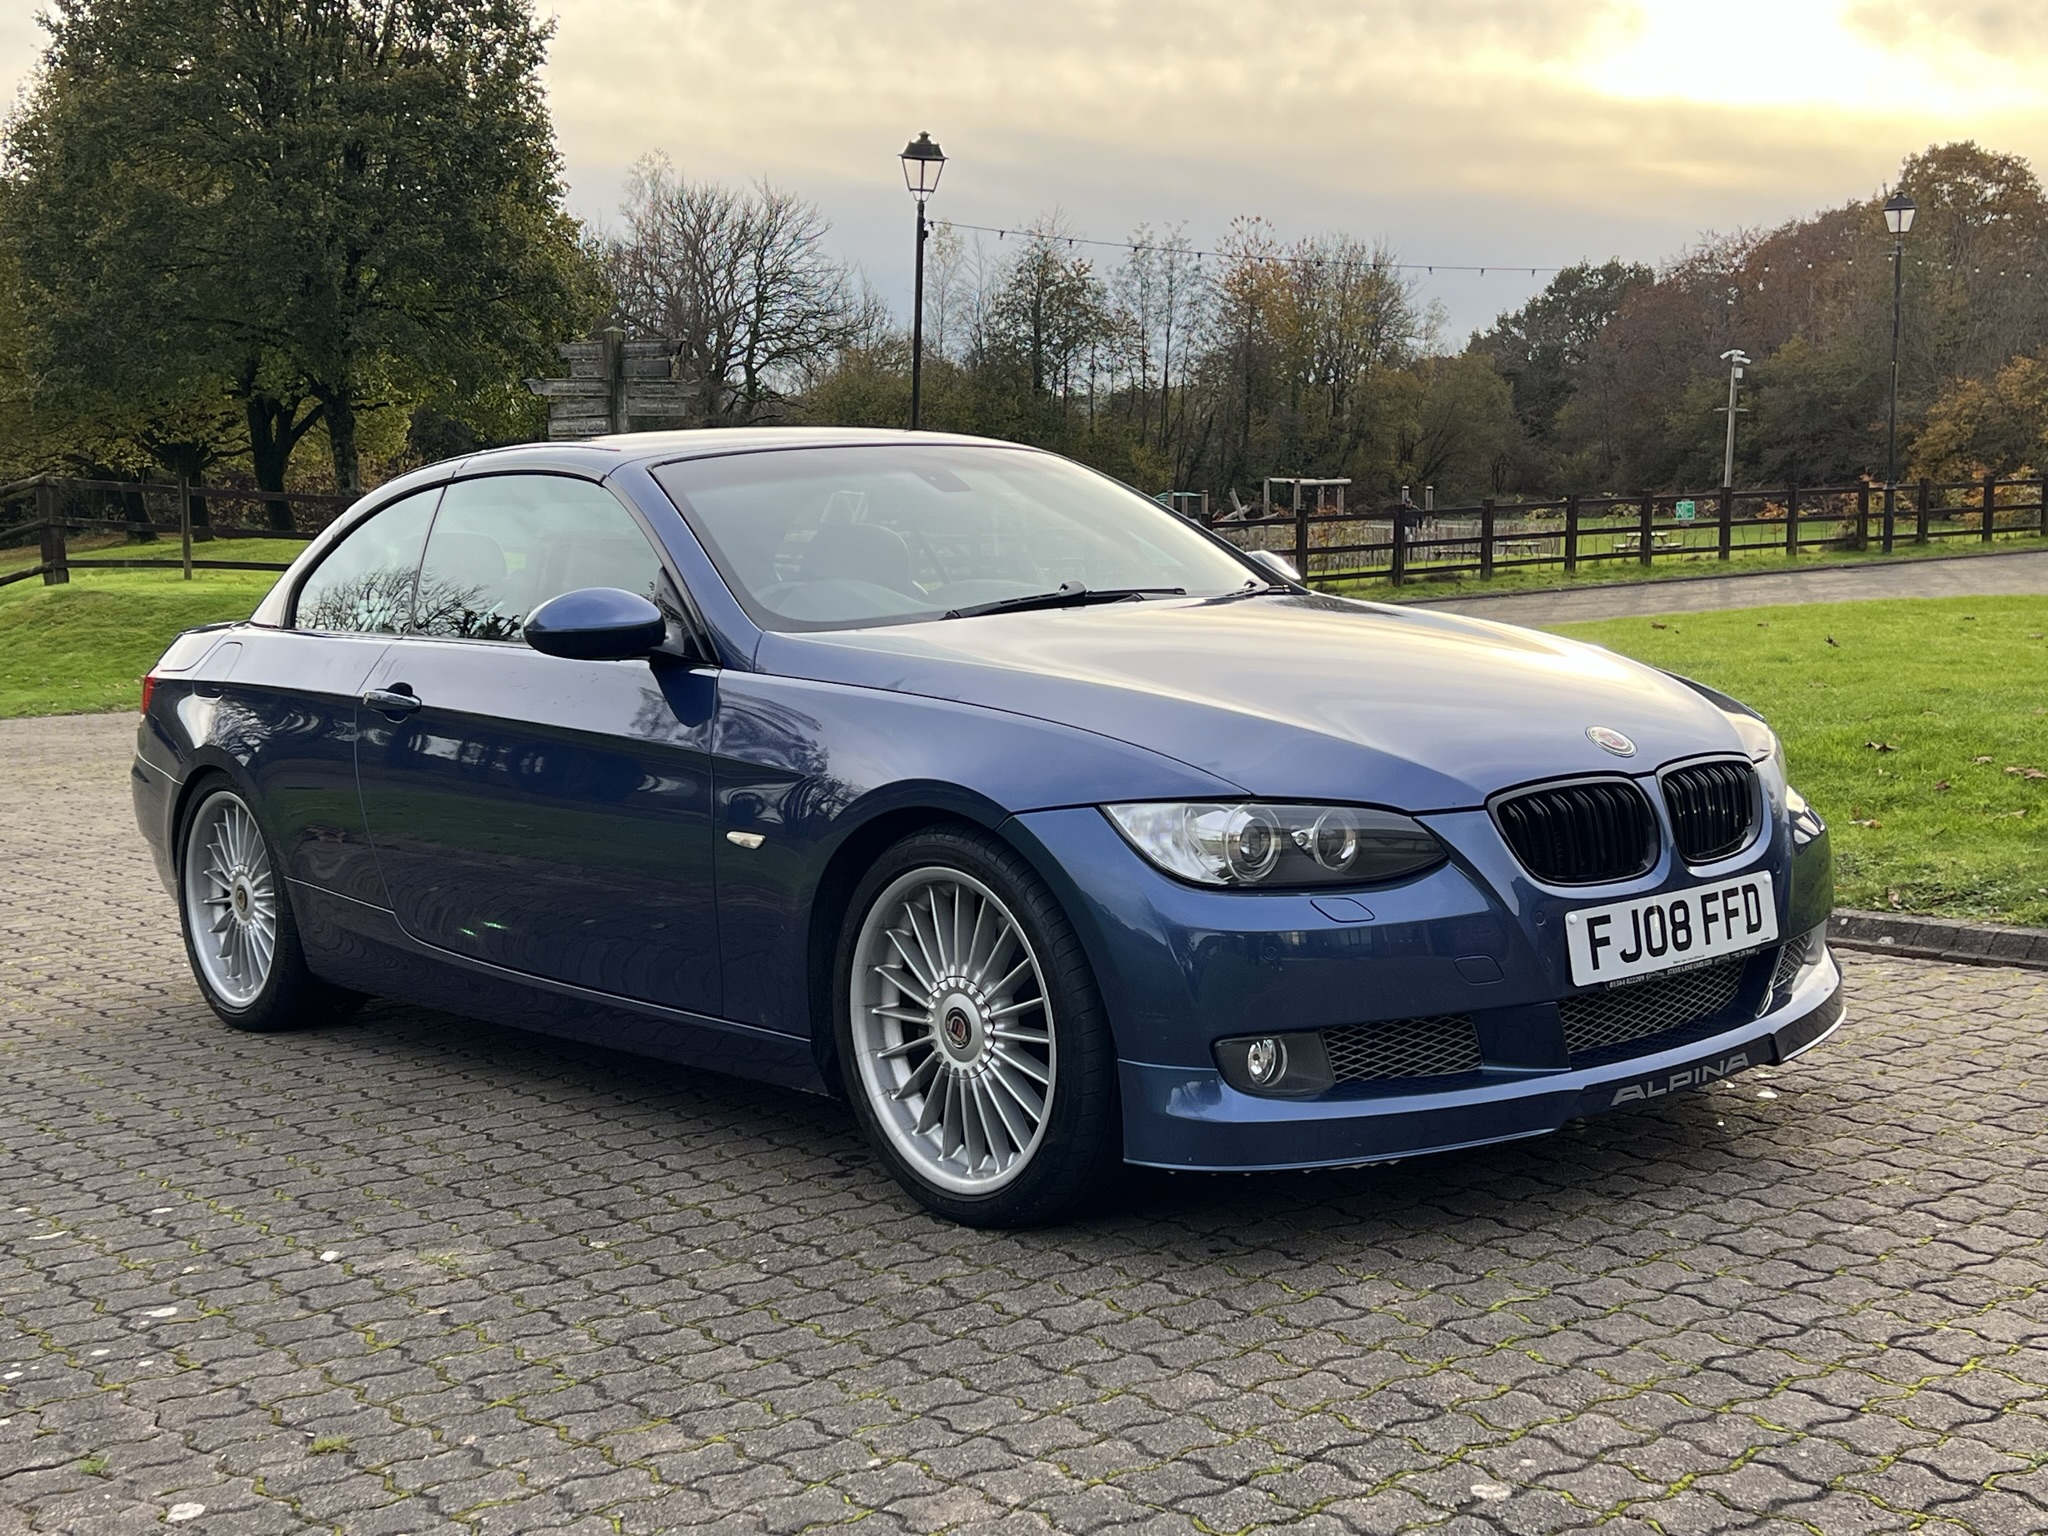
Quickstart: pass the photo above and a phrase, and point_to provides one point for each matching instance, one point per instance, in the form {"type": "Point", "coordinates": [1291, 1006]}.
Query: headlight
{"type": "Point", "coordinates": [1277, 846]}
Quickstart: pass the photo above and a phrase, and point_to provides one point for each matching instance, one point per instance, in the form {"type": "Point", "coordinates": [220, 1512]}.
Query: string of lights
{"type": "Point", "coordinates": [1199, 255]}
{"type": "Point", "coordinates": [1429, 267]}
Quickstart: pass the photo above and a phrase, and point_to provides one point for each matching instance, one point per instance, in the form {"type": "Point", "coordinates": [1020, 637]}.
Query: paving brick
{"type": "Point", "coordinates": [1725, 1315]}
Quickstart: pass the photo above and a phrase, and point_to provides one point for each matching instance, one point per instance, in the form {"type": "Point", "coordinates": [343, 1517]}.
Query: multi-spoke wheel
{"type": "Point", "coordinates": [971, 1034]}
{"type": "Point", "coordinates": [238, 924]}
{"type": "Point", "coordinates": [230, 899]}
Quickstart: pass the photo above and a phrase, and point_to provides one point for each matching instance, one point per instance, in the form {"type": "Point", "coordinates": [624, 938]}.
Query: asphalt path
{"type": "Point", "coordinates": [1972, 576]}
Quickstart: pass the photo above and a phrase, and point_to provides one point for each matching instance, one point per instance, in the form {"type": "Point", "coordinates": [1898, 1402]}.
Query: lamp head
{"type": "Point", "coordinates": [922, 162]}
{"type": "Point", "coordinates": [1898, 213]}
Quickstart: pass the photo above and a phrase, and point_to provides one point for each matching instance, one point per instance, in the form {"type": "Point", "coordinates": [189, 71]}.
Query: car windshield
{"type": "Point", "coordinates": [835, 538]}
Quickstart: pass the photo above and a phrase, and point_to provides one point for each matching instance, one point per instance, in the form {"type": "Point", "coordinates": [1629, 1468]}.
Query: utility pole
{"type": "Point", "coordinates": [1735, 358]}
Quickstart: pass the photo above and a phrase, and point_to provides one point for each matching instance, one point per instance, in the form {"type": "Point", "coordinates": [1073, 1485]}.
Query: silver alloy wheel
{"type": "Point", "coordinates": [230, 899]}
{"type": "Point", "coordinates": [952, 1030]}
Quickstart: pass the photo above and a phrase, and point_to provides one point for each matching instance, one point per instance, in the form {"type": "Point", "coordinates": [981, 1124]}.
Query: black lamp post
{"type": "Point", "coordinates": [922, 163]}
{"type": "Point", "coordinates": [1898, 218]}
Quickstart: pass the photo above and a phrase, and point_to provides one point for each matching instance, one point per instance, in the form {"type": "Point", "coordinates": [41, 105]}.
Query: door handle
{"type": "Point", "coordinates": [396, 703]}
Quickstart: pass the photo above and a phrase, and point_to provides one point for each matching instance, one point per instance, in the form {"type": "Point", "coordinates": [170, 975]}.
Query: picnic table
{"type": "Point", "coordinates": [1632, 543]}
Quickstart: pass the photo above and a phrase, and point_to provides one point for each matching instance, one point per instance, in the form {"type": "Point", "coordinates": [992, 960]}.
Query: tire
{"type": "Point", "coordinates": [240, 935]}
{"type": "Point", "coordinates": [974, 1045]}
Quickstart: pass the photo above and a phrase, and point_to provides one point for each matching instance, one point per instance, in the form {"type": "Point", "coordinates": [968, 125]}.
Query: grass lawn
{"type": "Point", "coordinates": [83, 647]}
{"type": "Point", "coordinates": [1901, 731]}
{"type": "Point", "coordinates": [1905, 732]}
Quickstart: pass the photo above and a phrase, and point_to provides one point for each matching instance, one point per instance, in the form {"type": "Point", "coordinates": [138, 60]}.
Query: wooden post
{"type": "Point", "coordinates": [1571, 534]}
{"type": "Point", "coordinates": [1792, 520]}
{"type": "Point", "coordinates": [1926, 503]}
{"type": "Point", "coordinates": [1646, 523]}
{"type": "Point", "coordinates": [1862, 515]}
{"type": "Point", "coordinates": [612, 361]}
{"type": "Point", "coordinates": [1301, 540]}
{"type": "Point", "coordinates": [56, 559]}
{"type": "Point", "coordinates": [1891, 516]}
{"type": "Point", "coordinates": [185, 523]}
{"type": "Point", "coordinates": [1727, 521]}
{"type": "Point", "coordinates": [2044, 506]}
{"type": "Point", "coordinates": [1397, 553]}
{"type": "Point", "coordinates": [1990, 506]}
{"type": "Point", "coordinates": [1486, 521]}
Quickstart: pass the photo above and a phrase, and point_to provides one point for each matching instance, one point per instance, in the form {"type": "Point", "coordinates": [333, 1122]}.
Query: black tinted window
{"type": "Point", "coordinates": [504, 545]}
{"type": "Point", "coordinates": [365, 583]}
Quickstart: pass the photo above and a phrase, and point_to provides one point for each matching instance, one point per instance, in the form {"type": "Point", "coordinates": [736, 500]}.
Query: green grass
{"type": "Point", "coordinates": [1901, 732]}
{"type": "Point", "coordinates": [1919, 823]}
{"type": "Point", "coordinates": [82, 648]}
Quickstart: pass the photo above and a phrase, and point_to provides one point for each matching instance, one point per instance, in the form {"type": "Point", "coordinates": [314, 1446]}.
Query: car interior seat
{"type": "Point", "coordinates": [860, 552]}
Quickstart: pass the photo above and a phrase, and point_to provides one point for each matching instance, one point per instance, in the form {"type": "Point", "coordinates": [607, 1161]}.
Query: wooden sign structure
{"type": "Point", "coordinates": [616, 385]}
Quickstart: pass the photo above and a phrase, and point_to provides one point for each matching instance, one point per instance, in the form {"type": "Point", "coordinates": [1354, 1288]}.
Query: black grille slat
{"type": "Point", "coordinates": [1439, 1046]}
{"type": "Point", "coordinates": [1580, 834]}
{"type": "Point", "coordinates": [1597, 1021]}
{"type": "Point", "coordinates": [1714, 809]}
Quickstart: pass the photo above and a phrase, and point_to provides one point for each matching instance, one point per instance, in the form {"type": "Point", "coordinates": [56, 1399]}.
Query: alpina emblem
{"type": "Point", "coordinates": [1612, 740]}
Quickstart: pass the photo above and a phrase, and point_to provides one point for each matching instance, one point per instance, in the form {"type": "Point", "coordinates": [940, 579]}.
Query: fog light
{"type": "Point", "coordinates": [1292, 1065]}
{"type": "Point", "coordinates": [1265, 1061]}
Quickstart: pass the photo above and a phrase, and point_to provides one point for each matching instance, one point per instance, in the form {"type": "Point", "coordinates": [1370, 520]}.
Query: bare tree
{"type": "Point", "coordinates": [741, 282]}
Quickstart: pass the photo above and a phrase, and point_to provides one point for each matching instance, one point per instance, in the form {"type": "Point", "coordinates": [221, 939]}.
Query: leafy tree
{"type": "Point", "coordinates": [309, 203]}
{"type": "Point", "coordinates": [1997, 426]}
{"type": "Point", "coordinates": [1542, 349]}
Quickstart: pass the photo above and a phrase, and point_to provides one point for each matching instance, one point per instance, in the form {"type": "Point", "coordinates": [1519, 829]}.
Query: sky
{"type": "Point", "coordinates": [1498, 133]}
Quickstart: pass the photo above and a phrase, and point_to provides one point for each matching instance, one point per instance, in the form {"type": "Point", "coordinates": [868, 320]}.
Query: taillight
{"type": "Point", "coordinates": [148, 690]}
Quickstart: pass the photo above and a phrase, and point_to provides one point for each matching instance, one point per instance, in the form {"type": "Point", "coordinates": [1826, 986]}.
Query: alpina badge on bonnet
{"type": "Point", "coordinates": [1612, 740]}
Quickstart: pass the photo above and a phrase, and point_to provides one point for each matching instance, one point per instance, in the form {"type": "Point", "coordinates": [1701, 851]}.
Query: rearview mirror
{"type": "Point", "coordinates": [1280, 565]}
{"type": "Point", "coordinates": [596, 624]}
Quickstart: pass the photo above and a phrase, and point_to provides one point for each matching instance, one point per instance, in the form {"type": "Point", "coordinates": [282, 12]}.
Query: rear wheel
{"type": "Point", "coordinates": [239, 932]}
{"type": "Point", "coordinates": [971, 1033]}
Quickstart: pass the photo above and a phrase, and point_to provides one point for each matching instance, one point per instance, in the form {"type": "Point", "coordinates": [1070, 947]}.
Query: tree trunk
{"type": "Point", "coordinates": [340, 408]}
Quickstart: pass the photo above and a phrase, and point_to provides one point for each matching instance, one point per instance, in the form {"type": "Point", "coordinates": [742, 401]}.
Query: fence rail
{"type": "Point", "coordinates": [50, 510]}
{"type": "Point", "coordinates": [1581, 532]}
{"type": "Point", "coordinates": [1328, 548]}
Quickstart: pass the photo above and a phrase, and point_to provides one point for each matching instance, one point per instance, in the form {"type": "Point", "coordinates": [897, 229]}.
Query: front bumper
{"type": "Point", "coordinates": [1190, 1119]}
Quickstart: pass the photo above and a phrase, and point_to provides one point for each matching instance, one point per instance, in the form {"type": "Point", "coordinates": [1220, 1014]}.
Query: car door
{"type": "Point", "coordinates": [283, 702]}
{"type": "Point", "coordinates": [547, 815]}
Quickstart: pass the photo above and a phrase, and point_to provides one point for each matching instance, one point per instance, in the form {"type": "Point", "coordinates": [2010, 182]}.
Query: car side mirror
{"type": "Point", "coordinates": [596, 624]}
{"type": "Point", "coordinates": [1280, 565]}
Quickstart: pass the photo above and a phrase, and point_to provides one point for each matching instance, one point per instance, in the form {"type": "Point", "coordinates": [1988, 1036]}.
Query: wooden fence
{"type": "Point", "coordinates": [1328, 548]}
{"type": "Point", "coordinates": [1590, 532]}
{"type": "Point", "coordinates": [51, 510]}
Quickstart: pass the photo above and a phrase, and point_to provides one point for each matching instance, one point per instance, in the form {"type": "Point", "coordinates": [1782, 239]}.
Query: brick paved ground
{"type": "Point", "coordinates": [424, 1275]}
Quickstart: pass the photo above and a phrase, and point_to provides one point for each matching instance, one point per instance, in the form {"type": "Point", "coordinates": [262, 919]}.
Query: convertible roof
{"type": "Point", "coordinates": [656, 447]}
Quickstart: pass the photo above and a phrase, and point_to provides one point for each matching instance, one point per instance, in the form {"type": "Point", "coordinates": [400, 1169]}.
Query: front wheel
{"type": "Point", "coordinates": [971, 1034]}
{"type": "Point", "coordinates": [239, 930]}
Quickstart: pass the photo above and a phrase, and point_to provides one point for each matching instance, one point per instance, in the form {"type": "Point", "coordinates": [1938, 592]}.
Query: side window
{"type": "Point", "coordinates": [505, 544]}
{"type": "Point", "coordinates": [364, 585]}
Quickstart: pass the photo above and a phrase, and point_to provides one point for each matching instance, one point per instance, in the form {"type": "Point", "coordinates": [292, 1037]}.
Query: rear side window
{"type": "Point", "coordinates": [504, 545]}
{"type": "Point", "coordinates": [364, 585]}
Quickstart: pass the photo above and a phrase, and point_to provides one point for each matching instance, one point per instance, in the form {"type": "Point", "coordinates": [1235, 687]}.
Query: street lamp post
{"type": "Point", "coordinates": [922, 163]}
{"type": "Point", "coordinates": [1737, 360]}
{"type": "Point", "coordinates": [1898, 218]}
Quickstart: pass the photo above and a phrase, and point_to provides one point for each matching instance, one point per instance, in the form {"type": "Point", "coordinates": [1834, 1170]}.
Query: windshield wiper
{"type": "Point", "coordinates": [1071, 594]}
{"type": "Point", "coordinates": [1257, 588]}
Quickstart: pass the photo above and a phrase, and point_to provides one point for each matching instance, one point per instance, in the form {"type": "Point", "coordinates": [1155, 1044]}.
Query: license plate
{"type": "Point", "coordinates": [1660, 933]}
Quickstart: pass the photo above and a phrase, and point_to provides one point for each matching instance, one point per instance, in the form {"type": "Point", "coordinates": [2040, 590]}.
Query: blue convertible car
{"type": "Point", "coordinates": [960, 780]}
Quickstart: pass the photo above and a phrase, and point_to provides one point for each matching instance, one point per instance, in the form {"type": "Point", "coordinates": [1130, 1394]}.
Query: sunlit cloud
{"type": "Point", "coordinates": [1502, 131]}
